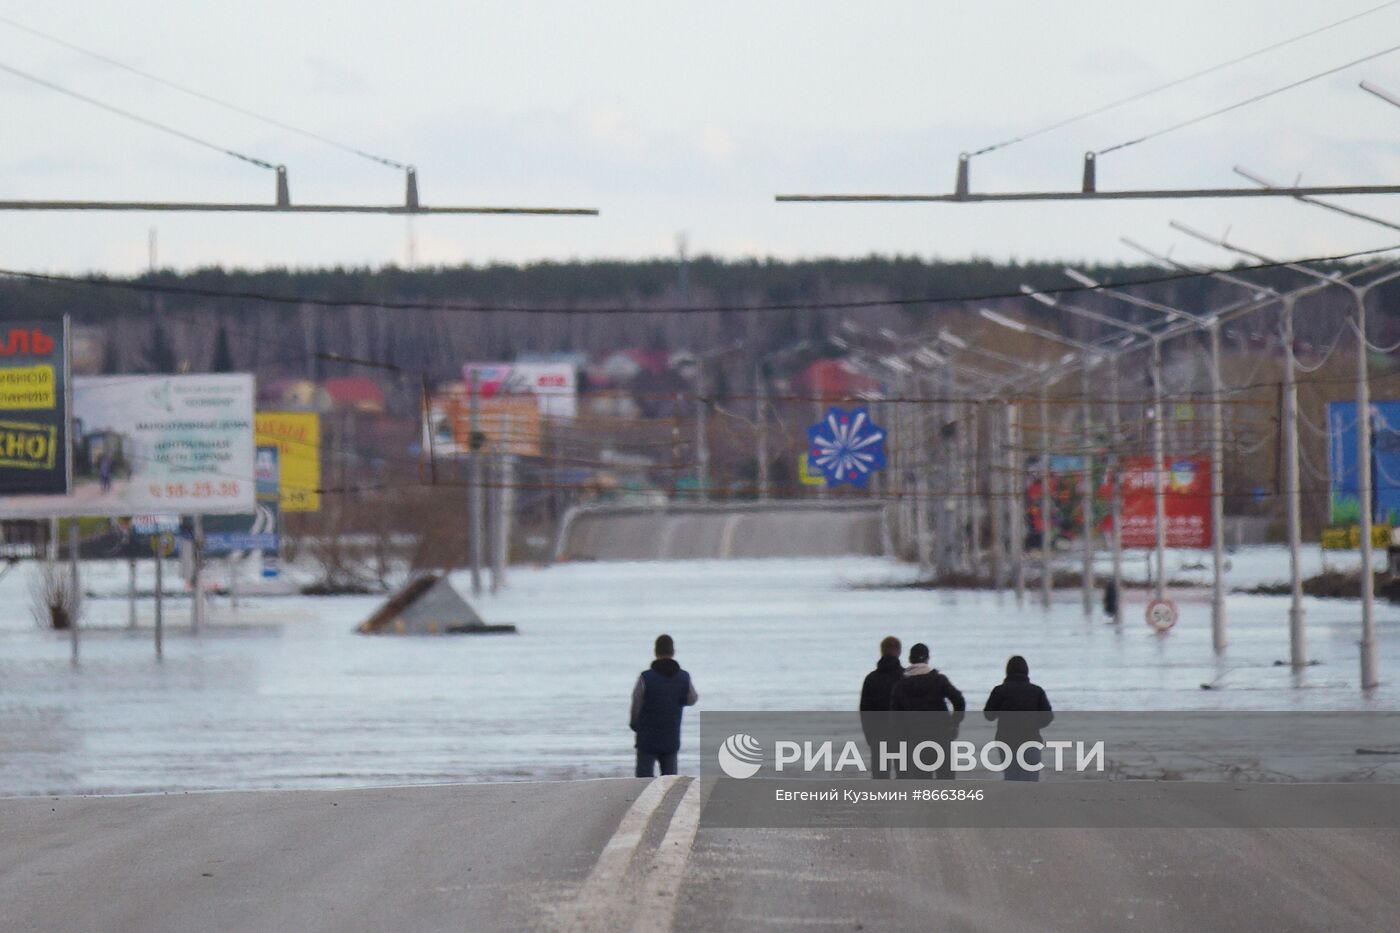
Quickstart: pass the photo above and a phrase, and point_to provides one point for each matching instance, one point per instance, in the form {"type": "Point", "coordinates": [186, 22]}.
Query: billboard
{"type": "Point", "coordinates": [1066, 500]}
{"type": "Point", "coordinates": [297, 437]}
{"type": "Point", "coordinates": [34, 402]}
{"type": "Point", "coordinates": [155, 444]}
{"type": "Point", "coordinates": [231, 534]}
{"type": "Point", "coordinates": [1343, 467]}
{"type": "Point", "coordinates": [508, 424]}
{"type": "Point", "coordinates": [554, 385]}
{"type": "Point", "coordinates": [1186, 502]}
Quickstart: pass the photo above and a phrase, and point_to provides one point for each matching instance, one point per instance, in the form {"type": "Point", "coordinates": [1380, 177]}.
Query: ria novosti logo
{"type": "Point", "coordinates": [740, 756]}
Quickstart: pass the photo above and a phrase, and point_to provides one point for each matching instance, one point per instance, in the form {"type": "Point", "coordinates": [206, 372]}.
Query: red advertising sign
{"type": "Point", "coordinates": [1186, 488]}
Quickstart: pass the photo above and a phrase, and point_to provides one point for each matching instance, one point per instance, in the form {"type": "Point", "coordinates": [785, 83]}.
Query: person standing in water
{"type": "Point", "coordinates": [662, 691]}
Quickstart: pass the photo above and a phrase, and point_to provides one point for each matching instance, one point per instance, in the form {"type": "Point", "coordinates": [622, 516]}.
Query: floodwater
{"type": "Point", "coordinates": [281, 693]}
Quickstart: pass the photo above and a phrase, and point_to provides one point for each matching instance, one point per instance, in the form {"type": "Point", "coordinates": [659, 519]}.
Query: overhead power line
{"type": "Point", "coordinates": [470, 308]}
{"type": "Point", "coordinates": [1246, 102]}
{"type": "Point", "coordinates": [209, 98]}
{"type": "Point", "coordinates": [1175, 82]}
{"type": "Point", "coordinates": [42, 82]}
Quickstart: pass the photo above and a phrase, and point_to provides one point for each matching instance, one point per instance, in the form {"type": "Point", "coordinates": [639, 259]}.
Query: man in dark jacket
{"type": "Point", "coordinates": [1020, 709]}
{"type": "Point", "coordinates": [875, 702]}
{"type": "Point", "coordinates": [930, 694]}
{"type": "Point", "coordinates": [660, 694]}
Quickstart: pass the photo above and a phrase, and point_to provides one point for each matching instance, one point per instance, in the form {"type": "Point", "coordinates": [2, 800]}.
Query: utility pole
{"type": "Point", "coordinates": [75, 585]}
{"type": "Point", "coordinates": [474, 503]}
{"type": "Point", "coordinates": [1086, 493]}
{"type": "Point", "coordinates": [1217, 490]}
{"type": "Point", "coordinates": [1297, 638]}
{"type": "Point", "coordinates": [702, 447]}
{"type": "Point", "coordinates": [1047, 526]}
{"type": "Point", "coordinates": [1158, 473]}
{"type": "Point", "coordinates": [1116, 505]}
{"type": "Point", "coordinates": [760, 416]}
{"type": "Point", "coordinates": [922, 468]}
{"type": "Point", "coordinates": [500, 543]}
{"type": "Point", "coordinates": [1016, 499]}
{"type": "Point", "coordinates": [996, 481]}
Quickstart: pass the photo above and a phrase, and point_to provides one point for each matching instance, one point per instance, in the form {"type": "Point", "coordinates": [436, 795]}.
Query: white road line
{"type": "Point", "coordinates": [668, 865]}
{"type": "Point", "coordinates": [596, 906]}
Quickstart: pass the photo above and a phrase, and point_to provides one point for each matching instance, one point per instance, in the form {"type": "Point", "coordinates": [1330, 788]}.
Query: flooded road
{"type": "Point", "coordinates": [282, 694]}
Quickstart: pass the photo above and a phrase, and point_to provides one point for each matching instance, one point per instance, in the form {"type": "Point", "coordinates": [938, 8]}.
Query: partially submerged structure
{"type": "Point", "coordinates": [428, 605]}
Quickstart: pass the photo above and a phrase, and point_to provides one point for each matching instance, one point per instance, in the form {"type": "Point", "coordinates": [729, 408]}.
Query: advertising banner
{"type": "Point", "coordinates": [297, 437]}
{"type": "Point", "coordinates": [1186, 490]}
{"type": "Point", "coordinates": [508, 424]}
{"type": "Point", "coordinates": [1066, 505]}
{"type": "Point", "coordinates": [259, 531]}
{"type": "Point", "coordinates": [554, 385]}
{"type": "Point", "coordinates": [155, 444]}
{"type": "Point", "coordinates": [34, 422]}
{"type": "Point", "coordinates": [1343, 469]}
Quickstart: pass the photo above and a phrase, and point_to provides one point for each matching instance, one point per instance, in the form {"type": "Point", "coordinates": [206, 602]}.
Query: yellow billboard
{"type": "Point", "coordinates": [297, 437]}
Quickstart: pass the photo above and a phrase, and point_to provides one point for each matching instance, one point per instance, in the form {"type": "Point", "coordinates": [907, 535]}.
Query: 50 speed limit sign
{"type": "Point", "coordinates": [1161, 614]}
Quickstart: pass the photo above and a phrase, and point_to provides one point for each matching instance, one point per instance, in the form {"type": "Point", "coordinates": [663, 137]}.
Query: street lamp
{"type": "Point", "coordinates": [1047, 530]}
{"type": "Point", "coordinates": [1211, 324]}
{"type": "Point", "coordinates": [1359, 293]}
{"type": "Point", "coordinates": [1158, 441]}
{"type": "Point", "coordinates": [1092, 353]}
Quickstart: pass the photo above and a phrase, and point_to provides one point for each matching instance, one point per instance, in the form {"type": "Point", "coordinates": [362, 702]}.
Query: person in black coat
{"type": "Point", "coordinates": [1020, 709]}
{"type": "Point", "coordinates": [661, 693]}
{"type": "Point", "coordinates": [940, 706]}
{"type": "Point", "coordinates": [875, 701]}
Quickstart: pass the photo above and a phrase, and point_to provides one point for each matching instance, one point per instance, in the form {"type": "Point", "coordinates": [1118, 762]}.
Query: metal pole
{"type": "Point", "coordinates": [969, 534]}
{"type": "Point", "coordinates": [1046, 525]}
{"type": "Point", "coordinates": [1369, 676]}
{"type": "Point", "coordinates": [500, 531]}
{"type": "Point", "coordinates": [1016, 499]}
{"type": "Point", "coordinates": [760, 415]}
{"type": "Point", "coordinates": [1158, 470]}
{"type": "Point", "coordinates": [1115, 464]}
{"type": "Point", "coordinates": [1217, 491]}
{"type": "Point", "coordinates": [475, 505]}
{"type": "Point", "coordinates": [976, 482]}
{"type": "Point", "coordinates": [75, 585]}
{"type": "Point", "coordinates": [1297, 639]}
{"type": "Point", "coordinates": [923, 539]}
{"type": "Point", "coordinates": [1086, 495]}
{"type": "Point", "coordinates": [160, 603]}
{"type": "Point", "coordinates": [507, 514]}
{"type": "Point", "coordinates": [196, 575]}
{"type": "Point", "coordinates": [131, 593]}
{"type": "Point", "coordinates": [702, 446]}
{"type": "Point", "coordinates": [996, 480]}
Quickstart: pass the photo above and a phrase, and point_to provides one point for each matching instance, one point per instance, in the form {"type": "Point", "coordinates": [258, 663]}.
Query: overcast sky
{"type": "Point", "coordinates": [674, 117]}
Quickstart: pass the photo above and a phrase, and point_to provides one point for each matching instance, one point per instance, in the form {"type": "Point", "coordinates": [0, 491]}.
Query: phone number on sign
{"type": "Point", "coordinates": [198, 490]}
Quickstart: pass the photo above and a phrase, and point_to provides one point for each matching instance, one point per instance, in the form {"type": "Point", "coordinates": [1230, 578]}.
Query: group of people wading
{"type": "Point", "coordinates": [1018, 707]}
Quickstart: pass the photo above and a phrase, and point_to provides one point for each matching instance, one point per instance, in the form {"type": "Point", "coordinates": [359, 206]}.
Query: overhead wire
{"type": "Point", "coordinates": [1244, 103]}
{"type": "Point", "coordinates": [147, 121]}
{"type": "Point", "coordinates": [1177, 82]}
{"type": "Point", "coordinates": [209, 98]}
{"type": "Point", "coordinates": [148, 287]}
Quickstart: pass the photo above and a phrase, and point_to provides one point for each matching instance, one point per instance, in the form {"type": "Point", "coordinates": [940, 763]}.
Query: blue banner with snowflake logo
{"type": "Point", "coordinates": [847, 446]}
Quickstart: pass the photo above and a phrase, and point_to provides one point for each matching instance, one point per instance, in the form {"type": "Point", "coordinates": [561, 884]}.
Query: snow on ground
{"type": "Point", "coordinates": [282, 694]}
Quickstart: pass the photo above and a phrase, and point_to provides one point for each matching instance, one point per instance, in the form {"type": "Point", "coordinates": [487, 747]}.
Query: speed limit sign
{"type": "Point", "coordinates": [1161, 614]}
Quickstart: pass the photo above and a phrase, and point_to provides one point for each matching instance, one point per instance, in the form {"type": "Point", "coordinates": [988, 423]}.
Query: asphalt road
{"type": "Point", "coordinates": [628, 855]}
